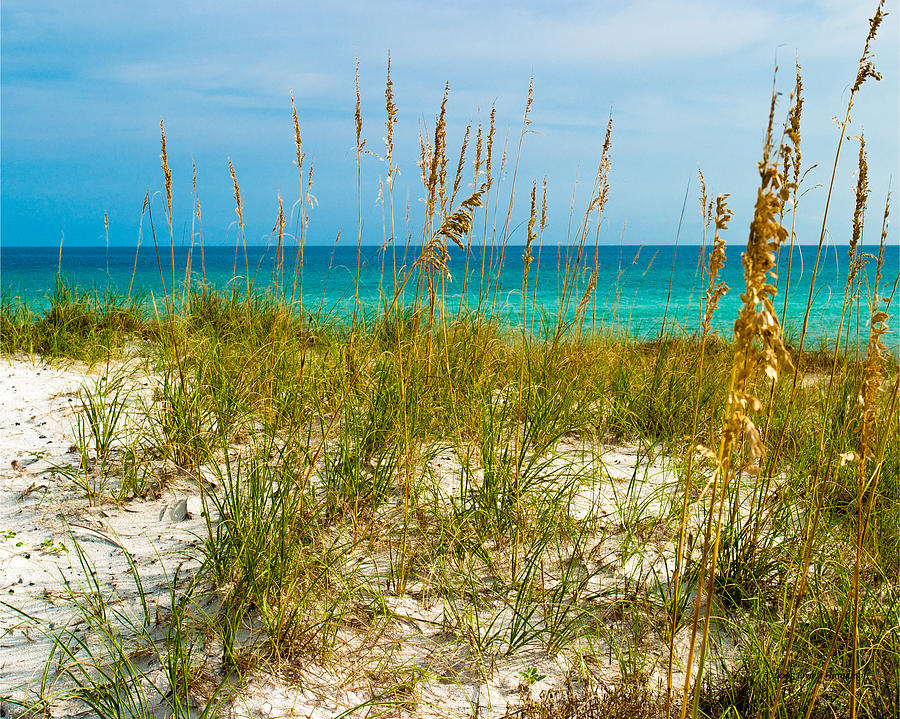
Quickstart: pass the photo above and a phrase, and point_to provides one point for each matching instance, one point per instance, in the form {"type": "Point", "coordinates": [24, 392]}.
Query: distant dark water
{"type": "Point", "coordinates": [631, 294]}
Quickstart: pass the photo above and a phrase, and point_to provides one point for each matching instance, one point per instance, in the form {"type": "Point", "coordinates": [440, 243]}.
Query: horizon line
{"type": "Point", "coordinates": [387, 247]}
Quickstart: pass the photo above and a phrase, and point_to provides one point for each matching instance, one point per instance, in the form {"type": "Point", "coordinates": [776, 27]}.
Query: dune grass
{"type": "Point", "coordinates": [421, 450]}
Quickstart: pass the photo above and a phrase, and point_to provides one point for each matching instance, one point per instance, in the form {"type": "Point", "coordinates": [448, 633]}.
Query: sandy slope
{"type": "Point", "coordinates": [42, 516]}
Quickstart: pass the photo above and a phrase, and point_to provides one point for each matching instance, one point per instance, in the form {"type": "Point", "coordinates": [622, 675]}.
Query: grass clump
{"type": "Point", "coordinates": [79, 325]}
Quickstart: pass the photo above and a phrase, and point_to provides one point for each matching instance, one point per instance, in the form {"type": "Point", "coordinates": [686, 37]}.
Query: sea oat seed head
{"type": "Point", "coordinates": [391, 112]}
{"type": "Point", "coordinates": [237, 194]}
{"type": "Point", "coordinates": [360, 142]}
{"type": "Point", "coordinates": [862, 196]}
{"type": "Point", "coordinates": [298, 143]}
{"type": "Point", "coordinates": [167, 173]}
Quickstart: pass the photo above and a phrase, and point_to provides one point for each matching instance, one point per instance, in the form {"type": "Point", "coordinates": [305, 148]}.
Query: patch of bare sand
{"type": "Point", "coordinates": [42, 515]}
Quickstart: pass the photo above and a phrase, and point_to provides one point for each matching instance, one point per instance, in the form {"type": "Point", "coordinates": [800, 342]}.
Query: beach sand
{"type": "Point", "coordinates": [42, 515]}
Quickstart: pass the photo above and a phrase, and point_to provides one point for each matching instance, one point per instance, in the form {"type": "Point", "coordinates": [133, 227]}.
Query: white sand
{"type": "Point", "coordinates": [41, 515]}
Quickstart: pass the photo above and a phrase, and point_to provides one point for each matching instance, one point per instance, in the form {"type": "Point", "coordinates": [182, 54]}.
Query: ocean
{"type": "Point", "coordinates": [638, 287]}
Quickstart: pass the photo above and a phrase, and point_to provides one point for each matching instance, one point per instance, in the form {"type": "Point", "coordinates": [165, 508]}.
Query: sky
{"type": "Point", "coordinates": [83, 87]}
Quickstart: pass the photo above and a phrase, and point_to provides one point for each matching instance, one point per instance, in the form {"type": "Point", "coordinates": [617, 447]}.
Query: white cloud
{"type": "Point", "coordinates": [239, 80]}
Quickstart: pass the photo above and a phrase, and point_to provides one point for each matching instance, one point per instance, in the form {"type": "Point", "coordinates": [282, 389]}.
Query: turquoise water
{"type": "Point", "coordinates": [632, 292]}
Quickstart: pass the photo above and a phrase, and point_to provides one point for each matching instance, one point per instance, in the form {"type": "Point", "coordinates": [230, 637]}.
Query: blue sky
{"type": "Point", "coordinates": [84, 86]}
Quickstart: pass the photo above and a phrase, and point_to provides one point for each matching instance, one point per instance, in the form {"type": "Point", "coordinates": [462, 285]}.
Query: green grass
{"type": "Point", "coordinates": [79, 325]}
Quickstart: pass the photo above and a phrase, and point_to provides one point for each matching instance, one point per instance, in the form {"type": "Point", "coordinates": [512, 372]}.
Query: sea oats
{"type": "Point", "coordinates": [239, 207]}
{"type": "Point", "coordinates": [391, 109]}
{"type": "Point", "coordinates": [544, 205]}
{"type": "Point", "coordinates": [488, 164]}
{"type": "Point", "coordinates": [792, 130]}
{"type": "Point", "coordinates": [457, 180]}
{"type": "Point", "coordinates": [866, 484]}
{"type": "Point", "coordinates": [439, 160]}
{"type": "Point", "coordinates": [873, 368]}
{"type": "Point", "coordinates": [866, 64]}
{"type": "Point", "coordinates": [866, 70]}
{"type": "Point", "coordinates": [360, 140]}
{"type": "Point", "coordinates": [278, 230]}
{"type": "Point", "coordinates": [458, 222]}
{"type": "Point", "coordinates": [433, 258]}
{"type": "Point", "coordinates": [478, 157]}
{"type": "Point", "coordinates": [586, 297]}
{"type": "Point", "coordinates": [526, 120]}
{"type": "Point", "coordinates": [758, 345]}
{"type": "Point", "coordinates": [601, 193]}
{"type": "Point", "coordinates": [716, 288]}
{"type": "Point", "coordinates": [862, 195]}
{"type": "Point", "coordinates": [424, 159]}
{"type": "Point", "coordinates": [530, 236]}
{"type": "Point", "coordinates": [167, 173]}
{"type": "Point", "coordinates": [793, 126]}
{"type": "Point", "coordinates": [434, 159]}
{"type": "Point", "coordinates": [705, 205]}
{"type": "Point", "coordinates": [298, 142]}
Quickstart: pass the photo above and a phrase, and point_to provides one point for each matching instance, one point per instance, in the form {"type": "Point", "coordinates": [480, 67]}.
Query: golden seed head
{"type": "Point", "coordinates": [530, 235]}
{"type": "Point", "coordinates": [757, 331]}
{"type": "Point", "coordinates": [866, 65]}
{"type": "Point", "coordinates": [544, 206]}
{"type": "Point", "coordinates": [360, 142]}
{"type": "Point", "coordinates": [793, 125]}
{"type": "Point", "coordinates": [424, 160]}
{"type": "Point", "coordinates": [586, 296]}
{"type": "Point", "coordinates": [528, 103]}
{"type": "Point", "coordinates": [459, 222]}
{"type": "Point", "coordinates": [279, 223]}
{"type": "Point", "coordinates": [167, 173]}
{"type": "Point", "coordinates": [237, 195]}
{"type": "Point", "coordinates": [488, 165]}
{"type": "Point", "coordinates": [478, 150]}
{"type": "Point", "coordinates": [457, 180]}
{"type": "Point", "coordinates": [705, 214]}
{"type": "Point", "coordinates": [862, 196]}
{"type": "Point", "coordinates": [716, 289]}
{"type": "Point", "coordinates": [298, 143]}
{"type": "Point", "coordinates": [391, 112]}
{"type": "Point", "coordinates": [601, 181]}
{"type": "Point", "coordinates": [440, 146]}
